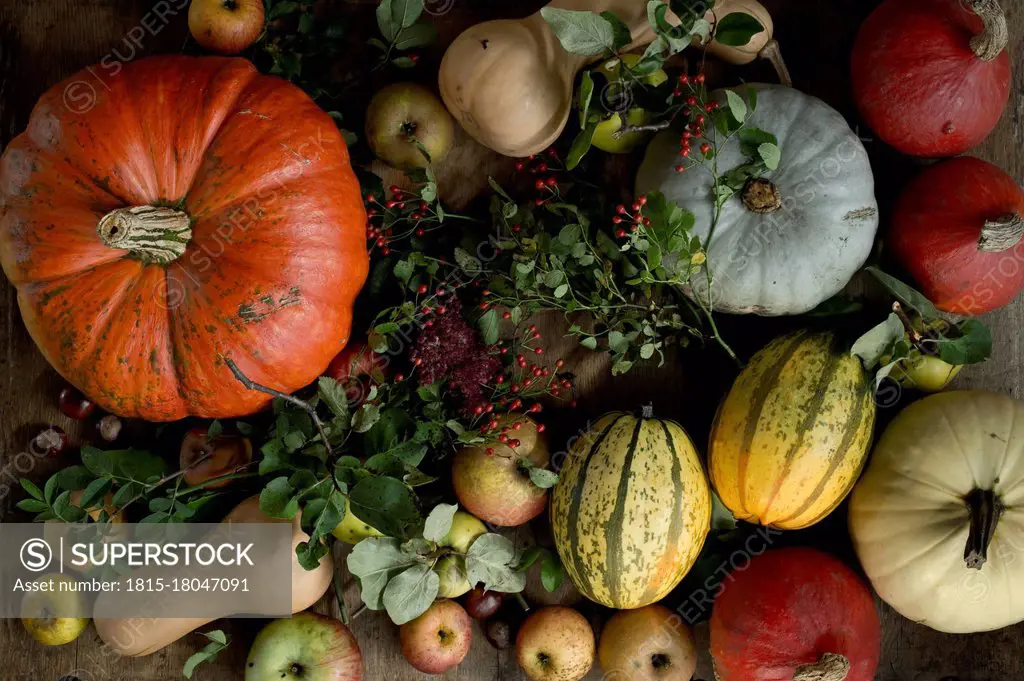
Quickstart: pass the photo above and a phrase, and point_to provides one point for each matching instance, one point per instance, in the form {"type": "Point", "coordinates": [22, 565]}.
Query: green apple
{"type": "Point", "coordinates": [926, 373]}
{"type": "Point", "coordinates": [610, 70]}
{"type": "Point", "coordinates": [403, 114]}
{"type": "Point", "coordinates": [605, 139]}
{"type": "Point", "coordinates": [352, 530]}
{"type": "Point", "coordinates": [452, 571]}
{"type": "Point", "coordinates": [464, 531]}
{"type": "Point", "coordinates": [307, 647]}
{"type": "Point", "coordinates": [41, 612]}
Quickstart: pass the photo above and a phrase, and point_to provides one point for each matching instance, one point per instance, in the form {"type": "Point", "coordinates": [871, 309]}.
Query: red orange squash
{"type": "Point", "coordinates": [932, 77]}
{"type": "Point", "coordinates": [795, 613]}
{"type": "Point", "coordinates": [957, 229]}
{"type": "Point", "coordinates": [161, 217]}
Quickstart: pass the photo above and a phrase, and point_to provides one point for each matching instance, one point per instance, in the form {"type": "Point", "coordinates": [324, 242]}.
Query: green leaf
{"type": "Point", "coordinates": [906, 295]}
{"type": "Point", "coordinates": [489, 326]}
{"type": "Point", "coordinates": [333, 395]}
{"type": "Point", "coordinates": [770, 154]}
{"type": "Point", "coordinates": [33, 505]}
{"type": "Point", "coordinates": [722, 519]}
{"type": "Point", "coordinates": [581, 145]}
{"type": "Point", "coordinates": [543, 478]}
{"type": "Point", "coordinates": [32, 489]}
{"type": "Point", "coordinates": [395, 15]}
{"type": "Point", "coordinates": [218, 642]}
{"type": "Point", "coordinates": [467, 262]}
{"type": "Point", "coordinates": [972, 347]}
{"type": "Point", "coordinates": [590, 343]}
{"type": "Point", "coordinates": [561, 291]}
{"type": "Point", "coordinates": [618, 342]}
{"type": "Point", "coordinates": [306, 23]}
{"type": "Point", "coordinates": [279, 9]}
{"type": "Point", "coordinates": [373, 562]}
{"type": "Point", "coordinates": [365, 418]}
{"type": "Point", "coordinates": [737, 107]}
{"type": "Point", "coordinates": [736, 29]}
{"type": "Point", "coordinates": [50, 489]}
{"type": "Point", "coordinates": [621, 367]}
{"type": "Point", "coordinates": [751, 140]}
{"type": "Point", "coordinates": [551, 572]}
{"type": "Point", "coordinates": [410, 593]}
{"type": "Point", "coordinates": [622, 36]}
{"type": "Point", "coordinates": [403, 270]}
{"type": "Point", "coordinates": [647, 350]}
{"type": "Point", "coordinates": [94, 492]}
{"type": "Point", "coordinates": [491, 560]}
{"type": "Point", "coordinates": [276, 499]}
{"type": "Point", "coordinates": [582, 33]}
{"type": "Point", "coordinates": [74, 477]}
{"type": "Point", "coordinates": [416, 36]}
{"type": "Point", "coordinates": [385, 503]}
{"type": "Point", "coordinates": [586, 95]}
{"type": "Point", "coordinates": [530, 557]}
{"type": "Point", "coordinates": [97, 461]}
{"type": "Point", "coordinates": [403, 62]}
{"type": "Point", "coordinates": [439, 522]}
{"type": "Point", "coordinates": [878, 342]}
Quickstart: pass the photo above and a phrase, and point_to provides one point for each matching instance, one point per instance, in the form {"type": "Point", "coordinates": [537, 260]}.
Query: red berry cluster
{"type": "Point", "coordinates": [401, 216]}
{"type": "Point", "coordinates": [520, 383]}
{"type": "Point", "coordinates": [634, 219]}
{"type": "Point", "coordinates": [696, 111]}
{"type": "Point", "coordinates": [546, 166]}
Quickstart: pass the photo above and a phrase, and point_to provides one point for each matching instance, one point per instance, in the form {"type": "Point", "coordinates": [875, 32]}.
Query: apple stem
{"type": "Point", "coordinates": [522, 602]}
{"type": "Point", "coordinates": [915, 336]}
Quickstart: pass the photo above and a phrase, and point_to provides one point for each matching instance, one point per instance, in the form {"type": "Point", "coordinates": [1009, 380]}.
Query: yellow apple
{"type": "Point", "coordinates": [648, 644]}
{"type": "Point", "coordinates": [352, 530]}
{"type": "Point", "coordinates": [42, 612]}
{"type": "Point", "coordinates": [464, 531]}
{"type": "Point", "coordinates": [610, 70]}
{"type": "Point", "coordinates": [555, 644]}
{"type": "Point", "coordinates": [926, 373]}
{"type": "Point", "coordinates": [452, 571]}
{"type": "Point", "coordinates": [605, 139]}
{"type": "Point", "coordinates": [403, 114]}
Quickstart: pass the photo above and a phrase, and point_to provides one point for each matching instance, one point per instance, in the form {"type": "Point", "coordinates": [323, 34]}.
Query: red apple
{"type": "Point", "coordinates": [496, 487]}
{"type": "Point", "coordinates": [555, 644]}
{"type": "Point", "coordinates": [437, 640]}
{"type": "Point", "coordinates": [648, 644]}
{"type": "Point", "coordinates": [304, 647]}
{"type": "Point", "coordinates": [204, 459]}
{"type": "Point", "coordinates": [356, 368]}
{"type": "Point", "coordinates": [226, 26]}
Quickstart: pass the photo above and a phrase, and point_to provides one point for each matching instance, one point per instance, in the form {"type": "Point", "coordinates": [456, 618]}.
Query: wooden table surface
{"type": "Point", "coordinates": [43, 41]}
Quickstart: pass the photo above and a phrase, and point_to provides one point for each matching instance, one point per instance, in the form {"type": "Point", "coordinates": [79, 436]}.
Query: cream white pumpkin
{"type": "Point", "coordinates": [938, 518]}
{"type": "Point", "coordinates": [804, 247]}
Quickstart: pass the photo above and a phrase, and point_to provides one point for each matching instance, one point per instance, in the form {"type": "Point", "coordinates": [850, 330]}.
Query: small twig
{"type": "Point", "coordinates": [161, 482]}
{"type": "Point", "coordinates": [291, 399]}
{"type": "Point", "coordinates": [650, 127]}
{"type": "Point", "coordinates": [915, 336]}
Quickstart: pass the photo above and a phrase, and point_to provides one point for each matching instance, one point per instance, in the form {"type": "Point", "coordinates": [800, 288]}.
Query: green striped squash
{"type": "Point", "coordinates": [792, 436]}
{"type": "Point", "coordinates": [631, 511]}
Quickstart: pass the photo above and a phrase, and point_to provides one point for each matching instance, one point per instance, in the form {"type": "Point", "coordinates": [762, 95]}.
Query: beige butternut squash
{"type": "Point", "coordinates": [510, 82]}
{"type": "Point", "coordinates": [144, 635]}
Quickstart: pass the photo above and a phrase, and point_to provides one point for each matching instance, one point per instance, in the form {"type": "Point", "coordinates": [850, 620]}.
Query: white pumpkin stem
{"type": "Point", "coordinates": [761, 196]}
{"type": "Point", "coordinates": [153, 234]}
{"type": "Point", "coordinates": [773, 54]}
{"type": "Point", "coordinates": [985, 510]}
{"type": "Point", "coordinates": [996, 36]}
{"type": "Point", "coordinates": [999, 235]}
{"type": "Point", "coordinates": [647, 411]}
{"type": "Point", "coordinates": [831, 667]}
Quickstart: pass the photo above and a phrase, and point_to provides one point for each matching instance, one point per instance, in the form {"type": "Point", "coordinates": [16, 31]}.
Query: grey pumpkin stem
{"type": "Point", "coordinates": [1001, 234]}
{"type": "Point", "coordinates": [993, 40]}
{"type": "Point", "coordinates": [773, 55]}
{"type": "Point", "coordinates": [153, 234]}
{"type": "Point", "coordinates": [985, 509]}
{"type": "Point", "coordinates": [831, 667]}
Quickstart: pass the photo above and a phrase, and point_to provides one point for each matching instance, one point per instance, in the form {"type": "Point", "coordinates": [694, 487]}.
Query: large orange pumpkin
{"type": "Point", "coordinates": [160, 216]}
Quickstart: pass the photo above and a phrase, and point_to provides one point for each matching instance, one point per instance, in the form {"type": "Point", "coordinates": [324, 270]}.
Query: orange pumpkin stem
{"type": "Point", "coordinates": [150, 233]}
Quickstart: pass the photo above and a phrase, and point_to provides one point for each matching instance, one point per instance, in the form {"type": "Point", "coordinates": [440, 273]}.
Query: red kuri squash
{"type": "Point", "coordinates": [932, 77]}
{"type": "Point", "coordinates": [163, 215]}
{"type": "Point", "coordinates": [795, 613]}
{"type": "Point", "coordinates": [957, 229]}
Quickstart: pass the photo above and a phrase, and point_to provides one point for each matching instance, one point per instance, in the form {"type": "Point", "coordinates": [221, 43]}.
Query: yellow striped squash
{"type": "Point", "coordinates": [792, 435]}
{"type": "Point", "coordinates": [631, 511]}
